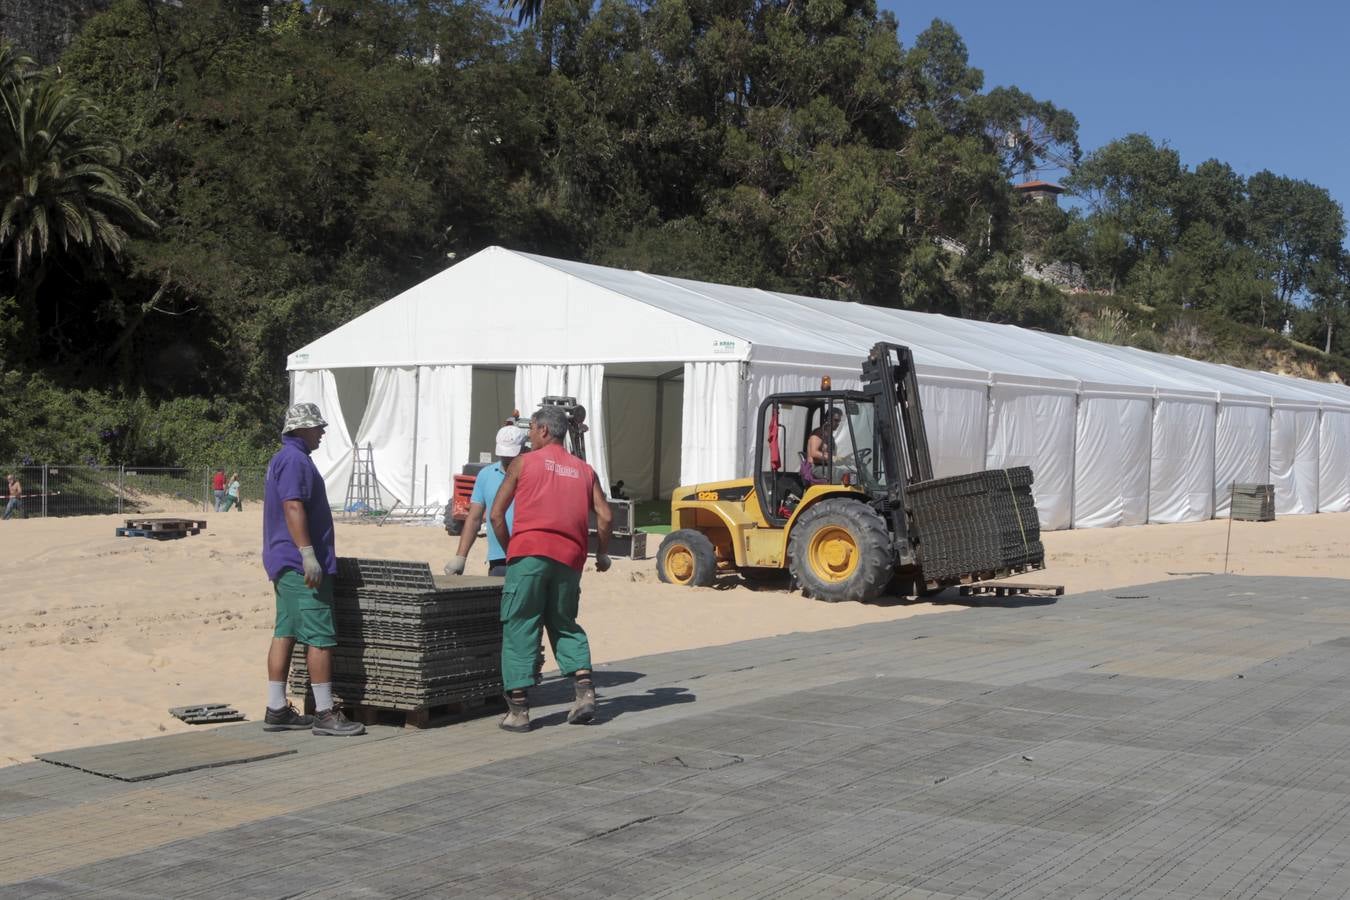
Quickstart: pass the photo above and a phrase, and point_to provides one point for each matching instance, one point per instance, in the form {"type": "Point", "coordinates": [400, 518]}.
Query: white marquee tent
{"type": "Point", "coordinates": [673, 372]}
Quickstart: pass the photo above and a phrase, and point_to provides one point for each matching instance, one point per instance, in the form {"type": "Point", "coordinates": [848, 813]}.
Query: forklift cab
{"type": "Point", "coordinates": [846, 423]}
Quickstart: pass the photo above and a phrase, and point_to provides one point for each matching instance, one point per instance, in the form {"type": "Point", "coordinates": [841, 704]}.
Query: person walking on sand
{"type": "Point", "coordinates": [232, 494]}
{"type": "Point", "coordinates": [300, 556]}
{"type": "Point", "coordinates": [218, 487]}
{"type": "Point", "coordinates": [554, 493]}
{"type": "Point", "coordinates": [15, 503]}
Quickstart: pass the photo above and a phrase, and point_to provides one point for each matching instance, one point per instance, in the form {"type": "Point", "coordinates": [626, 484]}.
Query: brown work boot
{"type": "Point", "coordinates": [583, 710]}
{"type": "Point", "coordinates": [517, 716]}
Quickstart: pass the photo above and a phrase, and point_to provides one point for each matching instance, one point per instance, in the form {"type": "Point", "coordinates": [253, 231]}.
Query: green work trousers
{"type": "Point", "coordinates": [540, 594]}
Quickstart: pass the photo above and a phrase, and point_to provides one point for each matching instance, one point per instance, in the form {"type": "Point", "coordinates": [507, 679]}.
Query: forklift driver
{"type": "Point", "coordinates": [822, 449]}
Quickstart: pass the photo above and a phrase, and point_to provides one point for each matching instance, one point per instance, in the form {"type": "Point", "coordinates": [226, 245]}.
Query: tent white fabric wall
{"type": "Point", "coordinates": [392, 394]}
{"type": "Point", "coordinates": [1333, 478]}
{"type": "Point", "coordinates": [1029, 426]}
{"type": "Point", "coordinates": [1241, 450]}
{"type": "Point", "coordinates": [712, 427]}
{"type": "Point", "coordinates": [443, 394]}
{"type": "Point", "coordinates": [956, 417]}
{"type": "Point", "coordinates": [1293, 460]}
{"type": "Point", "coordinates": [534, 383]}
{"type": "Point", "coordinates": [1181, 468]}
{"type": "Point", "coordinates": [1111, 456]}
{"type": "Point", "coordinates": [587, 385]}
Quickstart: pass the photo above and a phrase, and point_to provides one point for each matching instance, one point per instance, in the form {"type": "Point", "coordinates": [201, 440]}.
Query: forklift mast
{"type": "Point", "coordinates": [888, 378]}
{"type": "Point", "coordinates": [576, 423]}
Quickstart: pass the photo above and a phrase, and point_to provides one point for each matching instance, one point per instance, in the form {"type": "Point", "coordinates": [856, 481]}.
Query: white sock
{"type": "Point", "coordinates": [323, 696]}
{"type": "Point", "coordinates": [276, 695]}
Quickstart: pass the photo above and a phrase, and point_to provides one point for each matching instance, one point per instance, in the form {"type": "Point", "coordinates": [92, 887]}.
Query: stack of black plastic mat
{"type": "Point", "coordinates": [1254, 502]}
{"type": "Point", "coordinates": [979, 525]}
{"type": "Point", "coordinates": [408, 640]}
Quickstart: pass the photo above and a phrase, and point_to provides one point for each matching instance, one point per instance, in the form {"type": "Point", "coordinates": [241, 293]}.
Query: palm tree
{"type": "Point", "coordinates": [526, 10]}
{"type": "Point", "coordinates": [63, 187]}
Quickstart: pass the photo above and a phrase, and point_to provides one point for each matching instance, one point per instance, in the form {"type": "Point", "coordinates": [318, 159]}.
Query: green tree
{"type": "Point", "coordinates": [1295, 225]}
{"type": "Point", "coordinates": [64, 187]}
{"type": "Point", "coordinates": [1135, 183]}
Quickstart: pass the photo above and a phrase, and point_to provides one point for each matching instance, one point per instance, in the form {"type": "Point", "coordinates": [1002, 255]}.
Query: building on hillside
{"type": "Point", "coordinates": [1040, 191]}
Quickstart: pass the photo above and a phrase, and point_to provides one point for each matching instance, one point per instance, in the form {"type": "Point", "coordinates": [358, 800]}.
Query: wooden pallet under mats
{"type": "Point", "coordinates": [163, 529]}
{"type": "Point", "coordinates": [419, 717]}
{"type": "Point", "coordinates": [990, 589]}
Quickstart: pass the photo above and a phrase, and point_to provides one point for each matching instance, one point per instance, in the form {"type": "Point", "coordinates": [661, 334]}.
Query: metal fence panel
{"type": "Point", "coordinates": [59, 490]}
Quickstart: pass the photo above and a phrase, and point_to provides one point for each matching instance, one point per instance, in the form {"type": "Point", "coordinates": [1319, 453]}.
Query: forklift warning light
{"type": "Point", "coordinates": [824, 382]}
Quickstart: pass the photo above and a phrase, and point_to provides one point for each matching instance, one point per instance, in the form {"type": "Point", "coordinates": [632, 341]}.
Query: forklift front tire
{"type": "Point", "coordinates": [686, 557]}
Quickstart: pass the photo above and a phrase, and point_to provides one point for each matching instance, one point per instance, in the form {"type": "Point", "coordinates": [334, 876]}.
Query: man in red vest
{"type": "Point", "coordinates": [554, 493]}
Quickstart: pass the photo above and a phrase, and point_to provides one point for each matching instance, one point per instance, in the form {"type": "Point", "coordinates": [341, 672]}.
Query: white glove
{"type": "Point", "coordinates": [602, 562]}
{"type": "Point", "coordinates": [456, 565]}
{"type": "Point", "coordinates": [313, 571]}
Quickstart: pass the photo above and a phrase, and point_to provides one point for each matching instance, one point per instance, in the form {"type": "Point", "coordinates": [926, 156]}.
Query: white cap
{"type": "Point", "coordinates": [509, 440]}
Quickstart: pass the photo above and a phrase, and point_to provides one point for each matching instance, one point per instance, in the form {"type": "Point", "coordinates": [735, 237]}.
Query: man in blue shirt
{"type": "Point", "coordinates": [510, 440]}
{"type": "Point", "coordinates": [300, 556]}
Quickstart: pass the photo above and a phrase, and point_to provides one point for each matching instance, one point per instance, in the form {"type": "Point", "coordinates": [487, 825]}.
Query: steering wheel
{"type": "Point", "coordinates": [863, 456]}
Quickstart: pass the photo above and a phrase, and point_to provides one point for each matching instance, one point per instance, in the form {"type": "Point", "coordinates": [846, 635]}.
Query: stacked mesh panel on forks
{"type": "Point", "coordinates": [408, 640]}
{"type": "Point", "coordinates": [979, 525]}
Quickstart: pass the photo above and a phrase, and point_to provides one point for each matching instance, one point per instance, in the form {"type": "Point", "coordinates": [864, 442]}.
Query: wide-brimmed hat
{"type": "Point", "coordinates": [303, 415]}
{"type": "Point", "coordinates": [510, 438]}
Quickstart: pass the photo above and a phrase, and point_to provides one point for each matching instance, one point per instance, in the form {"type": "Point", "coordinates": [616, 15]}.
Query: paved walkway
{"type": "Point", "coordinates": [1187, 739]}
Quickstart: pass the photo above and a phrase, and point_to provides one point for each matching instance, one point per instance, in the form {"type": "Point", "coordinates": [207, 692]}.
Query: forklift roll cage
{"type": "Point", "coordinates": [899, 442]}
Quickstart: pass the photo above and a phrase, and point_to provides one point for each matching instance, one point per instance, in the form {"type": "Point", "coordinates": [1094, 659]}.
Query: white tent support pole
{"type": "Point", "coordinates": [1214, 467]}
{"type": "Point", "coordinates": [1270, 441]}
{"type": "Point", "coordinates": [1073, 462]}
{"type": "Point", "coordinates": [1148, 472]}
{"type": "Point", "coordinates": [1317, 470]}
{"type": "Point", "coordinates": [988, 412]}
{"type": "Point", "coordinates": [417, 410]}
{"type": "Point", "coordinates": [743, 415]}
{"type": "Point", "coordinates": [988, 407]}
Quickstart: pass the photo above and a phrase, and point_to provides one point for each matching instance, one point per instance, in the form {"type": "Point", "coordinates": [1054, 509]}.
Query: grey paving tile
{"type": "Point", "coordinates": [984, 753]}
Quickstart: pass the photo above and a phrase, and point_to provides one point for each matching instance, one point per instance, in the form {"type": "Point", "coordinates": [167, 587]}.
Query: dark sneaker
{"type": "Point", "coordinates": [333, 722]}
{"type": "Point", "coordinates": [517, 718]}
{"type": "Point", "coordinates": [583, 710]}
{"type": "Point", "coordinates": [288, 719]}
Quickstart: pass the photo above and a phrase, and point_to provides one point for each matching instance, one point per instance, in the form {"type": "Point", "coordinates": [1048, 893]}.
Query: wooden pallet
{"type": "Point", "coordinates": [422, 717]}
{"type": "Point", "coordinates": [162, 534]}
{"type": "Point", "coordinates": [990, 589]}
{"type": "Point", "coordinates": [161, 529]}
{"type": "Point", "coordinates": [166, 524]}
{"type": "Point", "coordinates": [973, 578]}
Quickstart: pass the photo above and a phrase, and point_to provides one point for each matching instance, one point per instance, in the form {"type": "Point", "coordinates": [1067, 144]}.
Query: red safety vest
{"type": "Point", "coordinates": [553, 504]}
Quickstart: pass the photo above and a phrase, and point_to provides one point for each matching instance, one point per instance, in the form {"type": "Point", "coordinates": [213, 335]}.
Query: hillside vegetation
{"type": "Point", "coordinates": [196, 189]}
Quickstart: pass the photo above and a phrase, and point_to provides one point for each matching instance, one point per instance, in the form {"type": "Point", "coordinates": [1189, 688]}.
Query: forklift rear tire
{"type": "Point", "coordinates": [686, 557]}
{"type": "Point", "coordinates": [841, 550]}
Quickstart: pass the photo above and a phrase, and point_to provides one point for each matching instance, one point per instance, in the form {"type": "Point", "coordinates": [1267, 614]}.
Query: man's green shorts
{"type": "Point", "coordinates": [305, 613]}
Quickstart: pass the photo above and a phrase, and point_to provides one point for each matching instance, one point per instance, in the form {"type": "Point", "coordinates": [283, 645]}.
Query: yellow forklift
{"type": "Point", "coordinates": [868, 516]}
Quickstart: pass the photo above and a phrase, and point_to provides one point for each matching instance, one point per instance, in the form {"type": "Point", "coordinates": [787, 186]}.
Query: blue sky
{"type": "Point", "coordinates": [1258, 85]}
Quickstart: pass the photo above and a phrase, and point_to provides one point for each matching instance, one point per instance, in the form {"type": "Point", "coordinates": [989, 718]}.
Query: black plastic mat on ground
{"type": "Point", "coordinates": [167, 755]}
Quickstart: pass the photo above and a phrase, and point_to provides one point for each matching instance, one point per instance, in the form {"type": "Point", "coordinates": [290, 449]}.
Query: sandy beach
{"type": "Point", "coordinates": [100, 635]}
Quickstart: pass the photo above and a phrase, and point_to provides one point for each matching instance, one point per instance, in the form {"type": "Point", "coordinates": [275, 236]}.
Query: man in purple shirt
{"type": "Point", "coordinates": [300, 557]}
